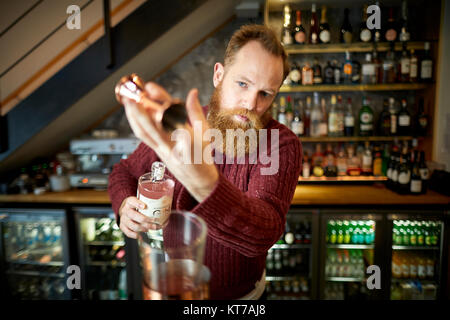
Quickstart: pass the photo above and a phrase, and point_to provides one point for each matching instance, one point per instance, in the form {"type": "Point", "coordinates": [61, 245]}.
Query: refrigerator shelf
{"type": "Point", "coordinates": [350, 246]}
{"type": "Point", "coordinates": [105, 243]}
{"type": "Point", "coordinates": [415, 248]}
{"type": "Point", "coordinates": [36, 274]}
{"type": "Point", "coordinates": [106, 264]}
{"type": "Point", "coordinates": [291, 246]}
{"type": "Point", "coordinates": [344, 279]}
{"type": "Point", "coordinates": [284, 278]}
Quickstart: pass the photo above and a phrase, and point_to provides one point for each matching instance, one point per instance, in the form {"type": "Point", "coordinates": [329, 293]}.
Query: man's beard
{"type": "Point", "coordinates": [222, 119]}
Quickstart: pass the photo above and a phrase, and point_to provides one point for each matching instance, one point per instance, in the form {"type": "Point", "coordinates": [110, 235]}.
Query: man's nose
{"type": "Point", "coordinates": [251, 100]}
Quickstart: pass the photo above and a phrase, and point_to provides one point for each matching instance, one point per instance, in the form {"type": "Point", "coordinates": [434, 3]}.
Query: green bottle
{"type": "Point", "coordinates": [406, 234]}
{"type": "Point", "coordinates": [420, 234]}
{"type": "Point", "coordinates": [353, 236]}
{"type": "Point", "coordinates": [333, 235]}
{"type": "Point", "coordinates": [365, 119]}
{"type": "Point", "coordinates": [434, 233]}
{"type": "Point", "coordinates": [340, 232]}
{"type": "Point", "coordinates": [427, 233]}
{"type": "Point", "coordinates": [347, 234]}
{"type": "Point", "coordinates": [413, 233]}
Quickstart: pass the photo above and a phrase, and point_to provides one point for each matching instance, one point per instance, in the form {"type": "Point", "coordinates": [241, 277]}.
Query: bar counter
{"type": "Point", "coordinates": [311, 195]}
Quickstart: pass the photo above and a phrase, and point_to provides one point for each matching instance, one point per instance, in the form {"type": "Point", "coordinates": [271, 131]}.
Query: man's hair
{"type": "Point", "coordinates": [264, 35]}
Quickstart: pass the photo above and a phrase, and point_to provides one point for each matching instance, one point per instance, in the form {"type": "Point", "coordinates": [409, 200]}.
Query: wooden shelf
{"type": "Point", "coordinates": [343, 179]}
{"type": "Point", "coordinates": [350, 47]}
{"type": "Point", "coordinates": [355, 138]}
{"type": "Point", "coordinates": [354, 87]}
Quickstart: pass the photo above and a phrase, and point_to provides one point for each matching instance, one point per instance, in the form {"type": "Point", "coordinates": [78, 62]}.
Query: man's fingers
{"type": "Point", "coordinates": [134, 202]}
{"type": "Point", "coordinates": [157, 93]}
{"type": "Point", "coordinates": [128, 232]}
{"type": "Point", "coordinates": [193, 107]}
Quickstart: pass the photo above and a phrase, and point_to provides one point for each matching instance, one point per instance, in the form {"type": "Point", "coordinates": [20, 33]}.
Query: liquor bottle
{"type": "Point", "coordinates": [299, 32]}
{"type": "Point", "coordinates": [298, 233]}
{"type": "Point", "coordinates": [386, 156]}
{"type": "Point", "coordinates": [356, 72]}
{"type": "Point", "coordinates": [395, 171]}
{"type": "Point", "coordinates": [333, 118]}
{"type": "Point", "coordinates": [389, 70]}
{"type": "Point", "coordinates": [323, 126]}
{"type": "Point", "coordinates": [413, 67]}
{"type": "Point", "coordinates": [404, 174]}
{"type": "Point", "coordinates": [295, 75]}
{"type": "Point", "coordinates": [337, 72]}
{"type": "Point", "coordinates": [306, 168]}
{"type": "Point", "coordinates": [391, 29]}
{"type": "Point", "coordinates": [365, 118]}
{"type": "Point", "coordinates": [384, 128]}
{"type": "Point", "coordinates": [316, 117]}
{"type": "Point", "coordinates": [324, 28]}
{"type": "Point", "coordinates": [314, 26]}
{"type": "Point", "coordinates": [404, 30]}
{"type": "Point", "coordinates": [422, 120]}
{"type": "Point", "coordinates": [426, 65]}
{"type": "Point", "coordinates": [404, 120]}
{"type": "Point", "coordinates": [340, 116]}
{"type": "Point", "coordinates": [346, 29]}
{"type": "Point", "coordinates": [288, 234]}
{"type": "Point", "coordinates": [317, 72]}
{"type": "Point", "coordinates": [349, 119]}
{"type": "Point", "coordinates": [391, 166]}
{"type": "Point", "coordinates": [416, 180]}
{"type": "Point", "coordinates": [297, 125]}
{"type": "Point", "coordinates": [328, 74]}
{"type": "Point", "coordinates": [341, 162]}
{"type": "Point", "coordinates": [317, 161]}
{"type": "Point", "coordinates": [377, 162]}
{"type": "Point", "coordinates": [287, 32]}
{"type": "Point", "coordinates": [156, 190]}
{"type": "Point", "coordinates": [405, 65]}
{"type": "Point", "coordinates": [347, 68]}
{"type": "Point", "coordinates": [424, 172]}
{"type": "Point", "coordinates": [307, 74]}
{"type": "Point", "coordinates": [365, 35]}
{"type": "Point", "coordinates": [353, 162]}
{"type": "Point", "coordinates": [368, 71]}
{"type": "Point", "coordinates": [367, 161]}
{"type": "Point", "coordinates": [289, 112]}
{"type": "Point", "coordinates": [394, 116]}
{"type": "Point", "coordinates": [307, 117]}
{"type": "Point", "coordinates": [377, 32]}
{"type": "Point", "coordinates": [330, 162]}
{"type": "Point", "coordinates": [282, 111]}
{"type": "Point", "coordinates": [377, 64]}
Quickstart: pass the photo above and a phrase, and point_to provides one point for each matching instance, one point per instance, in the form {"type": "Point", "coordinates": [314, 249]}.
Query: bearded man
{"type": "Point", "coordinates": [244, 209]}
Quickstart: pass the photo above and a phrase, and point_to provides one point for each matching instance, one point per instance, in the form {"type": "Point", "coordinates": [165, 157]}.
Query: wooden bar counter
{"type": "Point", "coordinates": [310, 195]}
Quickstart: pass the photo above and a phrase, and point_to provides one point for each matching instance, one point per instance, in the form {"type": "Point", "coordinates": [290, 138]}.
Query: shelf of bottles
{"type": "Point", "coordinates": [104, 253]}
{"type": "Point", "coordinates": [288, 262]}
{"type": "Point", "coordinates": [349, 250]}
{"type": "Point", "coordinates": [34, 257]}
{"type": "Point", "coordinates": [352, 87]}
{"type": "Point", "coordinates": [415, 259]}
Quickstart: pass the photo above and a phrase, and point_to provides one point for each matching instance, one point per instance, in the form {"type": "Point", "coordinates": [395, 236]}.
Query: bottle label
{"type": "Point", "coordinates": [367, 161]}
{"type": "Point", "coordinates": [395, 175]}
{"type": "Point", "coordinates": [333, 122]}
{"type": "Point", "coordinates": [307, 77]}
{"type": "Point", "coordinates": [413, 70]}
{"type": "Point", "coordinates": [287, 38]}
{"type": "Point", "coordinates": [348, 37]}
{"type": "Point", "coordinates": [430, 270]}
{"type": "Point", "coordinates": [389, 173]}
{"type": "Point", "coordinates": [366, 117]}
{"type": "Point", "coordinates": [416, 186]}
{"type": "Point", "coordinates": [297, 127]}
{"type": "Point", "coordinates": [295, 75]}
{"type": "Point", "coordinates": [159, 209]}
{"type": "Point", "coordinates": [404, 36]}
{"type": "Point", "coordinates": [365, 35]}
{"type": "Point", "coordinates": [391, 34]}
{"type": "Point", "coordinates": [404, 177]}
{"type": "Point", "coordinates": [348, 69]}
{"type": "Point", "coordinates": [314, 38]}
{"type": "Point", "coordinates": [282, 118]}
{"type": "Point", "coordinates": [300, 37]}
{"type": "Point", "coordinates": [323, 129]}
{"type": "Point", "coordinates": [421, 271]}
{"type": "Point", "coordinates": [368, 69]}
{"type": "Point", "coordinates": [425, 70]}
{"type": "Point", "coordinates": [349, 121]}
{"type": "Point", "coordinates": [366, 127]}
{"type": "Point", "coordinates": [404, 66]}
{"type": "Point", "coordinates": [404, 120]}
{"type": "Point", "coordinates": [306, 172]}
{"type": "Point", "coordinates": [424, 173]}
{"type": "Point", "coordinates": [325, 36]}
{"type": "Point", "coordinates": [393, 124]}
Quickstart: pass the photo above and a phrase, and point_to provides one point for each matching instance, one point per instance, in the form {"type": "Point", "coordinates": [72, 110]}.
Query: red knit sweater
{"type": "Point", "coordinates": [245, 213]}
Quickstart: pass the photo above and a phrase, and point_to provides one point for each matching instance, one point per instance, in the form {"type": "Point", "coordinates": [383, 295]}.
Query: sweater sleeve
{"type": "Point", "coordinates": [125, 174]}
{"type": "Point", "coordinates": [251, 222]}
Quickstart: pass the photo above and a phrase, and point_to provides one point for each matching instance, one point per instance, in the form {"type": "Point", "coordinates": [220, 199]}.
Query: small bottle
{"type": "Point", "coordinates": [317, 72]}
{"type": "Point", "coordinates": [333, 118]}
{"type": "Point", "coordinates": [156, 190]}
{"type": "Point", "coordinates": [404, 174]}
{"type": "Point", "coordinates": [299, 32]}
{"type": "Point", "coordinates": [368, 71]}
{"type": "Point", "coordinates": [366, 119]}
{"type": "Point", "coordinates": [404, 120]}
{"type": "Point", "coordinates": [404, 30]}
{"type": "Point", "coordinates": [317, 161]}
{"type": "Point", "coordinates": [391, 30]}
{"type": "Point", "coordinates": [416, 180]}
{"type": "Point", "coordinates": [306, 168]}
{"type": "Point", "coordinates": [307, 117]}
{"type": "Point", "coordinates": [314, 26]}
{"type": "Point", "coordinates": [422, 120]}
{"type": "Point", "coordinates": [413, 66]}
{"type": "Point", "coordinates": [394, 116]}
{"type": "Point", "coordinates": [426, 65]}
{"type": "Point", "coordinates": [297, 125]}
{"type": "Point", "coordinates": [348, 66]}
{"type": "Point", "coordinates": [349, 119]}
{"type": "Point", "coordinates": [282, 111]}
{"type": "Point", "coordinates": [340, 116]}
{"type": "Point", "coordinates": [295, 75]}
{"type": "Point", "coordinates": [385, 120]}
{"type": "Point", "coordinates": [307, 75]}
{"type": "Point", "coordinates": [324, 28]}
{"type": "Point", "coordinates": [424, 172]}
{"type": "Point", "coordinates": [377, 162]}
{"type": "Point", "coordinates": [323, 126]}
{"type": "Point", "coordinates": [289, 112]}
{"type": "Point", "coordinates": [367, 161]}
{"type": "Point", "coordinates": [341, 163]}
{"type": "Point", "coordinates": [346, 29]}
{"type": "Point", "coordinates": [405, 65]}
{"type": "Point", "coordinates": [316, 117]}
{"type": "Point", "coordinates": [286, 36]}
{"type": "Point", "coordinates": [337, 72]}
{"type": "Point", "coordinates": [328, 74]}
{"type": "Point", "coordinates": [365, 35]}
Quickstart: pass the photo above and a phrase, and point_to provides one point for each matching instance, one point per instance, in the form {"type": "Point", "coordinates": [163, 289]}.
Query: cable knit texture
{"type": "Point", "coordinates": [245, 213]}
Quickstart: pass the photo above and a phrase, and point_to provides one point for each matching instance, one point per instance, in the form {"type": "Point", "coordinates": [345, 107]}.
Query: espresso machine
{"type": "Point", "coordinates": [95, 156]}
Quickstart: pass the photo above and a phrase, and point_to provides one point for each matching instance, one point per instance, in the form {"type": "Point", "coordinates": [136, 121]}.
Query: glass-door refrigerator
{"type": "Point", "coordinates": [101, 247]}
{"type": "Point", "coordinates": [35, 255]}
{"type": "Point", "coordinates": [289, 263]}
{"type": "Point", "coordinates": [350, 243]}
{"type": "Point", "coordinates": [417, 259]}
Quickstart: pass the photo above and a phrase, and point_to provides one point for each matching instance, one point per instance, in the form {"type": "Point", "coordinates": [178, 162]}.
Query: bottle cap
{"type": "Point", "coordinates": [158, 169]}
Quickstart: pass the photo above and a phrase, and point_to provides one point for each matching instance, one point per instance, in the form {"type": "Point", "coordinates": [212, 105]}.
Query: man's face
{"type": "Point", "coordinates": [247, 87]}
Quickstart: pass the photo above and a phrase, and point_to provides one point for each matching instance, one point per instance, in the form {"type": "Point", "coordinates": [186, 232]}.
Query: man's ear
{"type": "Point", "coordinates": [219, 71]}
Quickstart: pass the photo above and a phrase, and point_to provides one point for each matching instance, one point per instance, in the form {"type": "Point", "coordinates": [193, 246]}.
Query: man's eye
{"type": "Point", "coordinates": [242, 84]}
{"type": "Point", "coordinates": [265, 94]}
